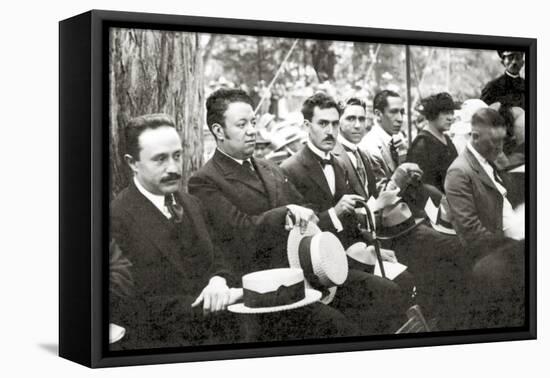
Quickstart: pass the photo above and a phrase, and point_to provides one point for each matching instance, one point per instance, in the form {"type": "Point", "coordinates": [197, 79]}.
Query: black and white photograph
{"type": "Point", "coordinates": [267, 190]}
{"type": "Point", "coordinates": [239, 189]}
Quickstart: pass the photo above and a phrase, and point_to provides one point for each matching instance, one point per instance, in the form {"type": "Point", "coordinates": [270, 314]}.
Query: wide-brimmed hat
{"type": "Point", "coordinates": [443, 222]}
{"type": "Point", "coordinates": [274, 290]}
{"type": "Point", "coordinates": [396, 220]}
{"type": "Point", "coordinates": [320, 255]}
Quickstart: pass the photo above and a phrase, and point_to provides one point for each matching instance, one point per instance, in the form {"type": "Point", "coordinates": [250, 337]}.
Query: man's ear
{"type": "Point", "coordinates": [218, 131]}
{"type": "Point", "coordinates": [131, 162]}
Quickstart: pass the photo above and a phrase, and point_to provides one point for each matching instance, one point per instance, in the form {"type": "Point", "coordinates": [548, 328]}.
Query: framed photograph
{"type": "Point", "coordinates": [257, 188]}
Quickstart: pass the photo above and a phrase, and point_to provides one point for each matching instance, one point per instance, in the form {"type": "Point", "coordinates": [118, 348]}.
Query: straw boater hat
{"type": "Point", "coordinates": [396, 220]}
{"type": "Point", "coordinates": [443, 224]}
{"type": "Point", "coordinates": [274, 290]}
{"type": "Point", "coordinates": [321, 256]}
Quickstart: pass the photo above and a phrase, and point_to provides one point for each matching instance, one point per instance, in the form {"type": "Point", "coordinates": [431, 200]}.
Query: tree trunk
{"type": "Point", "coordinates": [155, 72]}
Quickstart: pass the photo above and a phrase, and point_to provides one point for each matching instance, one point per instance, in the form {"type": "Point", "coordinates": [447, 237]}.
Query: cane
{"type": "Point", "coordinates": [370, 235]}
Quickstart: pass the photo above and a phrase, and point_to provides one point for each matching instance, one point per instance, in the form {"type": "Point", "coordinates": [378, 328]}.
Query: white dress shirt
{"type": "Point", "coordinates": [157, 200]}
{"type": "Point", "coordinates": [328, 171]}
{"type": "Point", "coordinates": [239, 161]}
{"type": "Point", "coordinates": [508, 214]}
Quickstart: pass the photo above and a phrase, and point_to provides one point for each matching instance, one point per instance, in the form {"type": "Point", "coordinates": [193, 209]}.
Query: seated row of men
{"type": "Point", "coordinates": [179, 253]}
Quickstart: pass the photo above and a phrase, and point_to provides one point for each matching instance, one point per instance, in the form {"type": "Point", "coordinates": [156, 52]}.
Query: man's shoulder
{"type": "Point", "coordinates": [293, 162]}
{"type": "Point", "coordinates": [461, 164]}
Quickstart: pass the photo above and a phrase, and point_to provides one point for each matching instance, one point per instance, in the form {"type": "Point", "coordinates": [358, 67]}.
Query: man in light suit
{"type": "Point", "coordinates": [166, 248]}
{"type": "Point", "coordinates": [483, 219]}
{"type": "Point", "coordinates": [250, 204]}
{"type": "Point", "coordinates": [385, 143]}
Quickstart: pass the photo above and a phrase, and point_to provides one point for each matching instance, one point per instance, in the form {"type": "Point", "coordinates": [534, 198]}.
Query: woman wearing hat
{"type": "Point", "coordinates": [432, 149]}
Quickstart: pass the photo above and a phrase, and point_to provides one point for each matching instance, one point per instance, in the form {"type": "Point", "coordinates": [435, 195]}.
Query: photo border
{"type": "Point", "coordinates": [84, 226]}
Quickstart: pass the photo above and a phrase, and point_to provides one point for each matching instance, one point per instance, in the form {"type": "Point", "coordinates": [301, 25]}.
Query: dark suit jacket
{"type": "Point", "coordinates": [167, 275]}
{"type": "Point", "coordinates": [247, 215]}
{"type": "Point", "coordinates": [306, 173]}
{"type": "Point", "coordinates": [355, 182]}
{"type": "Point", "coordinates": [475, 203]}
{"type": "Point", "coordinates": [506, 90]}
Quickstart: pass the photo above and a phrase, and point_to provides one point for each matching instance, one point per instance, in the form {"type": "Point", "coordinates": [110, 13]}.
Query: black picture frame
{"type": "Point", "coordinates": [84, 189]}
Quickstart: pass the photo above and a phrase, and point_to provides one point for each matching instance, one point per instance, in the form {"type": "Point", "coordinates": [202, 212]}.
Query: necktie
{"type": "Point", "coordinates": [174, 208]}
{"type": "Point", "coordinates": [495, 173]}
{"type": "Point", "coordinates": [394, 154]}
{"type": "Point", "coordinates": [248, 166]}
{"type": "Point", "coordinates": [359, 166]}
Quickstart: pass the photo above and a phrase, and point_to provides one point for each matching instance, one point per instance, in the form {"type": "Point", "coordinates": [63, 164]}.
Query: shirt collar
{"type": "Point", "coordinates": [347, 143]}
{"type": "Point", "coordinates": [318, 152]}
{"type": "Point", "coordinates": [477, 155]}
{"type": "Point", "coordinates": [157, 200]}
{"type": "Point", "coordinates": [239, 161]}
{"type": "Point", "coordinates": [386, 138]}
{"type": "Point", "coordinates": [512, 76]}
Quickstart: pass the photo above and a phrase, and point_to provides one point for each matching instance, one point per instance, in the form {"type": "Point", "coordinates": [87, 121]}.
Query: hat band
{"type": "Point", "coordinates": [306, 263]}
{"type": "Point", "coordinates": [397, 229]}
{"type": "Point", "coordinates": [284, 295]}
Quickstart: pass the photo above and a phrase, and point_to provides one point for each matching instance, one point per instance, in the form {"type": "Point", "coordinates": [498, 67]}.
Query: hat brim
{"type": "Point", "coordinates": [442, 229]}
{"type": "Point", "coordinates": [312, 296]}
{"type": "Point", "coordinates": [417, 222]}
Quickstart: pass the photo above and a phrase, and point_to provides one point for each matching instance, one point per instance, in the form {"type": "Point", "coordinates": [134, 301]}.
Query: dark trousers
{"type": "Point", "coordinates": [377, 305]}
{"type": "Point", "coordinates": [440, 267]}
{"type": "Point", "coordinates": [498, 288]}
{"type": "Point", "coordinates": [315, 321]}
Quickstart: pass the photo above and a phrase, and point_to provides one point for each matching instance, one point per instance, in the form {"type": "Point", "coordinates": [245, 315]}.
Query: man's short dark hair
{"type": "Point", "coordinates": [320, 100]}
{"type": "Point", "coordinates": [218, 102]}
{"type": "Point", "coordinates": [487, 117]}
{"type": "Point", "coordinates": [136, 126]}
{"type": "Point", "coordinates": [380, 101]}
{"type": "Point", "coordinates": [351, 102]}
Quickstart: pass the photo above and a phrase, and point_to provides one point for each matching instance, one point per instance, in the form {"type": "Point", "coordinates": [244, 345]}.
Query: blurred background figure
{"type": "Point", "coordinates": [508, 88]}
{"type": "Point", "coordinates": [461, 129]}
{"type": "Point", "coordinates": [432, 149]}
{"type": "Point", "coordinates": [514, 144]}
{"type": "Point", "coordinates": [263, 142]}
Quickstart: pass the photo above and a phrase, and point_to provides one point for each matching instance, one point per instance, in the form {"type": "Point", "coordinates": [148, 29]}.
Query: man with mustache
{"type": "Point", "coordinates": [174, 267]}
{"type": "Point", "coordinates": [508, 89]}
{"type": "Point", "coordinates": [250, 205]}
{"type": "Point", "coordinates": [324, 183]}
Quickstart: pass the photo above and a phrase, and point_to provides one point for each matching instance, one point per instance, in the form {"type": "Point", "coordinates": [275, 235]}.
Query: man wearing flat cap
{"type": "Point", "coordinates": [508, 89]}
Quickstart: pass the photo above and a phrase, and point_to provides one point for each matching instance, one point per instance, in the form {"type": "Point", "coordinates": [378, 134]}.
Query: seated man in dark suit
{"type": "Point", "coordinates": [164, 242]}
{"type": "Point", "coordinates": [486, 224]}
{"type": "Point", "coordinates": [324, 183]}
{"type": "Point", "coordinates": [250, 207]}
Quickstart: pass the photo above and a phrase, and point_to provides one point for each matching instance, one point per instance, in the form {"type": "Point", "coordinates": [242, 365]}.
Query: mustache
{"type": "Point", "coordinates": [330, 138]}
{"type": "Point", "coordinates": [170, 177]}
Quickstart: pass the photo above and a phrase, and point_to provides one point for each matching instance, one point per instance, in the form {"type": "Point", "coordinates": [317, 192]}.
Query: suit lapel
{"type": "Point", "coordinates": [384, 149]}
{"type": "Point", "coordinates": [353, 178]}
{"type": "Point", "coordinates": [232, 171]}
{"type": "Point", "coordinates": [265, 173]}
{"type": "Point", "coordinates": [371, 179]}
{"type": "Point", "coordinates": [154, 225]}
{"type": "Point", "coordinates": [314, 170]}
{"type": "Point", "coordinates": [476, 166]}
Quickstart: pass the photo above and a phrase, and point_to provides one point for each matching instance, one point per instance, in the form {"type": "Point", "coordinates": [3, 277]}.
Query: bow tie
{"type": "Point", "coordinates": [325, 162]}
